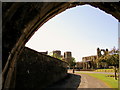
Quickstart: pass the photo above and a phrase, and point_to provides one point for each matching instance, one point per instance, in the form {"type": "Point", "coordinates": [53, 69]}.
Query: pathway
{"type": "Point", "coordinates": [71, 81]}
{"type": "Point", "coordinates": [79, 81]}
{"type": "Point", "coordinates": [91, 82]}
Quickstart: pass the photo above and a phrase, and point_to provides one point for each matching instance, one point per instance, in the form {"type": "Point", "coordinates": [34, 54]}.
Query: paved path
{"type": "Point", "coordinates": [79, 81]}
{"type": "Point", "coordinates": [71, 81]}
{"type": "Point", "coordinates": [91, 82]}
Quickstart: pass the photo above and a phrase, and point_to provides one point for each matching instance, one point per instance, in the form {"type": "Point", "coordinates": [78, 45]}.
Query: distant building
{"type": "Point", "coordinates": [90, 62]}
{"type": "Point", "coordinates": [57, 54]}
{"type": "Point", "coordinates": [67, 56]}
{"type": "Point", "coordinates": [79, 65]}
{"type": "Point", "coordinates": [99, 54]}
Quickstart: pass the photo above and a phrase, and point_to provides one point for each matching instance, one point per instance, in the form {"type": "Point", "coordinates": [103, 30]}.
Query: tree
{"type": "Point", "coordinates": [112, 59]}
{"type": "Point", "coordinates": [102, 61]}
{"type": "Point", "coordinates": [72, 62]}
{"type": "Point", "coordinates": [55, 56]}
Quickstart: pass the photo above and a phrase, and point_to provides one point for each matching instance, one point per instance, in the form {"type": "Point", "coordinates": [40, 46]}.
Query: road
{"type": "Point", "coordinates": [91, 82]}
{"type": "Point", "coordinates": [71, 81]}
{"type": "Point", "coordinates": [79, 81]}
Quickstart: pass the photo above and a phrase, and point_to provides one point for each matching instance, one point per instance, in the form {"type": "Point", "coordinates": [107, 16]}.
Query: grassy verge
{"type": "Point", "coordinates": [110, 81]}
{"type": "Point", "coordinates": [104, 70]}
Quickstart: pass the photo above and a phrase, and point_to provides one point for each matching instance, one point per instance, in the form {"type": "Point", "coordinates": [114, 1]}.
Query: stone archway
{"type": "Point", "coordinates": [21, 20]}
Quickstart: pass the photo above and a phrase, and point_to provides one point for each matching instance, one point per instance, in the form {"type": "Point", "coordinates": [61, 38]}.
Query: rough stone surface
{"type": "Point", "coordinates": [37, 70]}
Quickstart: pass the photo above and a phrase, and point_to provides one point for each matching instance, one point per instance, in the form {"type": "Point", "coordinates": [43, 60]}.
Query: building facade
{"type": "Point", "coordinates": [67, 56]}
{"type": "Point", "coordinates": [91, 62]}
{"type": "Point", "coordinates": [57, 54]}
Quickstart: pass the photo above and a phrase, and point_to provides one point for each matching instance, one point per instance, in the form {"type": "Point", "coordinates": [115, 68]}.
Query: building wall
{"type": "Point", "coordinates": [89, 62]}
{"type": "Point", "coordinates": [57, 54]}
{"type": "Point", "coordinates": [67, 55]}
{"type": "Point", "coordinates": [36, 70]}
{"type": "Point", "coordinates": [79, 65]}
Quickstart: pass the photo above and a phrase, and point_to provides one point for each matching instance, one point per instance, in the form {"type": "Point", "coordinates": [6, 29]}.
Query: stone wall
{"type": "Point", "coordinates": [37, 70]}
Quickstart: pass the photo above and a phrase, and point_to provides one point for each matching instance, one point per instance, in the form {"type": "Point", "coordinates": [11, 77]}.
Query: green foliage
{"type": "Point", "coordinates": [72, 62]}
{"type": "Point", "coordinates": [112, 59]}
{"type": "Point", "coordinates": [56, 56]}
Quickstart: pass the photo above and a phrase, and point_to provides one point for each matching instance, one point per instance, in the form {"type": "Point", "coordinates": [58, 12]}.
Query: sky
{"type": "Point", "coordinates": [81, 30]}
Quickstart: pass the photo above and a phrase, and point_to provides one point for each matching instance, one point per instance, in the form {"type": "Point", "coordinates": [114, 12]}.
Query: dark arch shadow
{"type": "Point", "coordinates": [71, 81]}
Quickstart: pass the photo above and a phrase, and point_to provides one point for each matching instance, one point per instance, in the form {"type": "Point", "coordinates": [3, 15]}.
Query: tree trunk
{"type": "Point", "coordinates": [115, 73]}
{"type": "Point", "coordinates": [73, 69]}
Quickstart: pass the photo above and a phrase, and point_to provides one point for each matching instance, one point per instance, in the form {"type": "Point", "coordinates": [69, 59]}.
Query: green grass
{"type": "Point", "coordinates": [110, 81]}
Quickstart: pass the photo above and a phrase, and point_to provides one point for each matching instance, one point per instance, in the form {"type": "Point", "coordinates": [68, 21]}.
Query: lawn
{"type": "Point", "coordinates": [110, 81]}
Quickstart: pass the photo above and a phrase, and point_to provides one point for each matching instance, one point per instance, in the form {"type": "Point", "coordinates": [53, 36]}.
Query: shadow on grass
{"type": "Point", "coordinates": [70, 81]}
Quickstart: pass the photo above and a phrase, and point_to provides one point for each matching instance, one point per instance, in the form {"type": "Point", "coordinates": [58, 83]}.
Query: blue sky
{"type": "Point", "coordinates": [80, 30]}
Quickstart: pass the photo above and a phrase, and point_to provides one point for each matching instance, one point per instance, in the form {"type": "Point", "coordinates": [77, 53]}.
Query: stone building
{"type": "Point", "coordinates": [67, 56]}
{"type": "Point", "coordinates": [91, 62]}
{"type": "Point", "coordinates": [57, 54]}
{"type": "Point", "coordinates": [99, 52]}
{"type": "Point", "coordinates": [79, 65]}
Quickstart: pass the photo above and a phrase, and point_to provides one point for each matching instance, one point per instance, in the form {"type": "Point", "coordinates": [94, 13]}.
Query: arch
{"type": "Point", "coordinates": [19, 26]}
{"type": "Point", "coordinates": [102, 50]}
